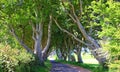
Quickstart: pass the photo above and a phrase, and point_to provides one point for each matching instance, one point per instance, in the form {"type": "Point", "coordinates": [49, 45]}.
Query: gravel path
{"type": "Point", "coordinates": [59, 67]}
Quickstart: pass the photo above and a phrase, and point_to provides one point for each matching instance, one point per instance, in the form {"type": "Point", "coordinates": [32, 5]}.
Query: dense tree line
{"type": "Point", "coordinates": [66, 26]}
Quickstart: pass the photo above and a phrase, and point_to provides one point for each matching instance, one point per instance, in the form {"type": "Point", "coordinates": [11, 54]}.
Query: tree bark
{"type": "Point", "coordinates": [59, 54]}
{"type": "Point", "coordinates": [49, 38]}
{"type": "Point", "coordinates": [38, 51]}
{"type": "Point", "coordinates": [37, 29]}
{"type": "Point", "coordinates": [37, 37]}
{"type": "Point", "coordinates": [79, 55]}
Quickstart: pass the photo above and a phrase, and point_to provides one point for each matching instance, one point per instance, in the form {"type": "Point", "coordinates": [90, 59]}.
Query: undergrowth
{"type": "Point", "coordinates": [18, 60]}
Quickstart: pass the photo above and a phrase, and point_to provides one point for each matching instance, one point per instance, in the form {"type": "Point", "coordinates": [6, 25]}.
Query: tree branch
{"type": "Point", "coordinates": [20, 41]}
{"type": "Point", "coordinates": [72, 18]}
{"type": "Point", "coordinates": [77, 21]}
{"type": "Point", "coordinates": [34, 31]}
{"type": "Point", "coordinates": [81, 28]}
{"type": "Point", "coordinates": [70, 33]}
{"type": "Point", "coordinates": [68, 12]}
{"type": "Point", "coordinates": [49, 35]}
{"type": "Point", "coordinates": [80, 2]}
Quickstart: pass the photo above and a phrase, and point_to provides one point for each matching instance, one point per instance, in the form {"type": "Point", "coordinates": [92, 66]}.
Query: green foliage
{"type": "Point", "coordinates": [14, 60]}
{"type": "Point", "coordinates": [106, 14]}
{"type": "Point", "coordinates": [21, 14]}
{"type": "Point", "coordinates": [115, 66]}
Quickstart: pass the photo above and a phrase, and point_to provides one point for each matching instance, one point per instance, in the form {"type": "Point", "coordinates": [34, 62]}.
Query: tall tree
{"type": "Point", "coordinates": [73, 9]}
{"type": "Point", "coordinates": [106, 15]}
{"type": "Point", "coordinates": [26, 20]}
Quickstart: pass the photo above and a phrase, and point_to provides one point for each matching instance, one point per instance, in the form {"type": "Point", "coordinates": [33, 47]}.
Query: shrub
{"type": "Point", "coordinates": [18, 60]}
{"type": "Point", "coordinates": [14, 60]}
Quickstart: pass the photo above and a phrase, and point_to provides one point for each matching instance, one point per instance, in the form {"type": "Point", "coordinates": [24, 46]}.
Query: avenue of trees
{"type": "Point", "coordinates": [66, 26]}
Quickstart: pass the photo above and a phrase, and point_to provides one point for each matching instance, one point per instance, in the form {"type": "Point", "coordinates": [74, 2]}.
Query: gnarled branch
{"type": "Point", "coordinates": [77, 39]}
{"type": "Point", "coordinates": [20, 41]}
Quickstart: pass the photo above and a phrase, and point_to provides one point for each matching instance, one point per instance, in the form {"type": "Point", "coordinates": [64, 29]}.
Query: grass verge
{"type": "Point", "coordinates": [45, 68]}
{"type": "Point", "coordinates": [91, 67]}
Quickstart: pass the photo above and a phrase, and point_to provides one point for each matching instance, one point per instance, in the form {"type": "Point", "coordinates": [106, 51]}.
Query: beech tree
{"type": "Point", "coordinates": [74, 10]}
{"type": "Point", "coordinates": [26, 20]}
{"type": "Point", "coordinates": [106, 15]}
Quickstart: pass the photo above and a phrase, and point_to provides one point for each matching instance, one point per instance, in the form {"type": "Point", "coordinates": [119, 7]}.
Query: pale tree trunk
{"type": "Point", "coordinates": [63, 51]}
{"type": "Point", "coordinates": [66, 49]}
{"type": "Point", "coordinates": [38, 51]}
{"type": "Point", "coordinates": [70, 49]}
{"type": "Point", "coordinates": [59, 54]}
{"type": "Point", "coordinates": [79, 50]}
{"type": "Point", "coordinates": [73, 58]}
{"type": "Point", "coordinates": [45, 50]}
{"type": "Point", "coordinates": [71, 46]}
{"type": "Point", "coordinates": [37, 40]}
{"type": "Point", "coordinates": [94, 45]}
{"type": "Point", "coordinates": [37, 37]}
{"type": "Point", "coordinates": [79, 57]}
{"type": "Point", "coordinates": [46, 54]}
{"type": "Point", "coordinates": [69, 55]}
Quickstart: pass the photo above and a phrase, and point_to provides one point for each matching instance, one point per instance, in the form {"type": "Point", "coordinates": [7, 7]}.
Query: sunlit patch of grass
{"type": "Point", "coordinates": [52, 57]}
{"type": "Point", "coordinates": [88, 58]}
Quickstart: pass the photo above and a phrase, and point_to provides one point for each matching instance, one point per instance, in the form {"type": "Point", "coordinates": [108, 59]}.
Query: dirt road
{"type": "Point", "coordinates": [59, 67]}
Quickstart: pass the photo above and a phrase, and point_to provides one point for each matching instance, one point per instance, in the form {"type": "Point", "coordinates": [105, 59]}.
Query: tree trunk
{"type": "Point", "coordinates": [45, 56]}
{"type": "Point", "coordinates": [49, 38]}
{"type": "Point", "coordinates": [59, 55]}
{"type": "Point", "coordinates": [37, 30]}
{"type": "Point", "coordinates": [38, 51]}
{"type": "Point", "coordinates": [73, 58]}
{"type": "Point", "coordinates": [94, 45]}
{"type": "Point", "coordinates": [69, 56]}
{"type": "Point", "coordinates": [37, 37]}
{"type": "Point", "coordinates": [79, 55]}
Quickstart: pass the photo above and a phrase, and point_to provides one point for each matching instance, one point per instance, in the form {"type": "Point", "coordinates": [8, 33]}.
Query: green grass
{"type": "Point", "coordinates": [45, 68]}
{"type": "Point", "coordinates": [88, 58]}
{"type": "Point", "coordinates": [87, 66]}
{"type": "Point", "coordinates": [90, 63]}
{"type": "Point", "coordinates": [91, 67]}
